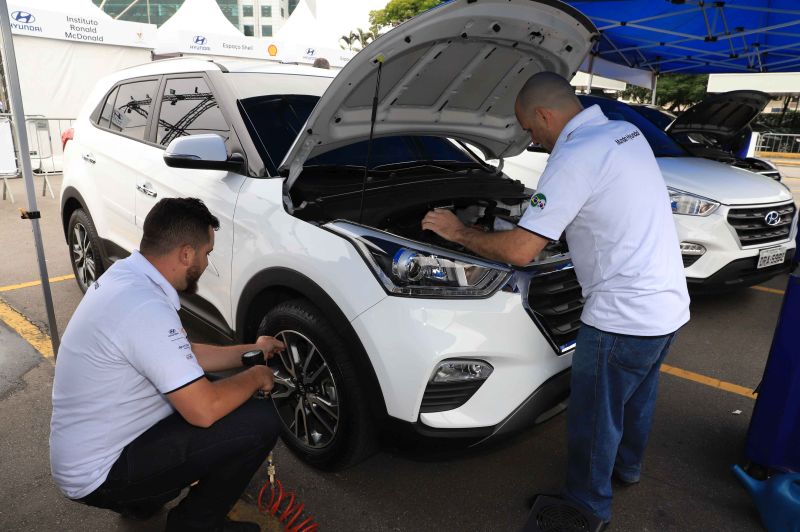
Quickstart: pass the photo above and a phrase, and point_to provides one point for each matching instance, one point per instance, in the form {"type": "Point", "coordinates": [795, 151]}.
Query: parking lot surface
{"type": "Point", "coordinates": [700, 425]}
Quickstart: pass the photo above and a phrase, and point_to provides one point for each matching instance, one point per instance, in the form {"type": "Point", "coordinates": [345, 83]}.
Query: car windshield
{"type": "Point", "coordinates": [661, 143]}
{"type": "Point", "coordinates": [275, 121]}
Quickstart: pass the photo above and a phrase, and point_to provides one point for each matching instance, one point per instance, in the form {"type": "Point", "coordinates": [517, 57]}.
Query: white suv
{"type": "Point", "coordinates": [387, 325]}
{"type": "Point", "coordinates": [736, 227]}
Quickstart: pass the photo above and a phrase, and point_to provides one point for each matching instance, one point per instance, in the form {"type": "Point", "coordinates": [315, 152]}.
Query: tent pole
{"type": "Point", "coordinates": [591, 74]}
{"type": "Point", "coordinates": [655, 89]}
{"type": "Point", "coordinates": [18, 118]}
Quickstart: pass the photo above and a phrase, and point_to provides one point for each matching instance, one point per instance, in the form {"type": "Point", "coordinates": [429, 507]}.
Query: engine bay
{"type": "Point", "coordinates": [486, 201]}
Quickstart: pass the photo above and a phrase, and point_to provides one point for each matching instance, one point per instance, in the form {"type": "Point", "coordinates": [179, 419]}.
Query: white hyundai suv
{"type": "Point", "coordinates": [736, 227]}
{"type": "Point", "coordinates": [320, 245]}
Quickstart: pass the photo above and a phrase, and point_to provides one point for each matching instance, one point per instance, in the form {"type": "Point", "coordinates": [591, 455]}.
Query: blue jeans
{"type": "Point", "coordinates": [614, 385]}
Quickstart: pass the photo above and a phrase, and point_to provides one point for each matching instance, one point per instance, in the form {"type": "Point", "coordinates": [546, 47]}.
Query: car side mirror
{"type": "Point", "coordinates": [202, 152]}
{"type": "Point", "coordinates": [537, 148]}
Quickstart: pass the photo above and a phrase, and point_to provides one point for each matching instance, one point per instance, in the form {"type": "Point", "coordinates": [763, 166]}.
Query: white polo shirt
{"type": "Point", "coordinates": [602, 186]}
{"type": "Point", "coordinates": [122, 351]}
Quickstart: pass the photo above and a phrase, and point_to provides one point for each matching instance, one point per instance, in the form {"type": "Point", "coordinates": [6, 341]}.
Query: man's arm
{"type": "Point", "coordinates": [517, 246]}
{"type": "Point", "coordinates": [221, 358]}
{"type": "Point", "coordinates": [202, 403]}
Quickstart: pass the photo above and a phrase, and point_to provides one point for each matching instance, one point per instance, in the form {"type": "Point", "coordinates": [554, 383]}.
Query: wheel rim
{"type": "Point", "coordinates": [83, 255]}
{"type": "Point", "coordinates": [305, 392]}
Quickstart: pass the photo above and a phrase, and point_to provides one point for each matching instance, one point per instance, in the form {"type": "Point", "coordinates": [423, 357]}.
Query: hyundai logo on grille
{"type": "Point", "coordinates": [772, 218]}
{"type": "Point", "coordinates": [23, 17]}
{"type": "Point", "coordinates": [200, 40]}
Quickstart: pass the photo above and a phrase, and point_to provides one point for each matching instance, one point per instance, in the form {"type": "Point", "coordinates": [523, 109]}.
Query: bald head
{"type": "Point", "coordinates": [544, 106]}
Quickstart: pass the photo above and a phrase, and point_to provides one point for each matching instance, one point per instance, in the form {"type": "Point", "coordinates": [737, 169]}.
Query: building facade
{"type": "Point", "coordinates": [254, 18]}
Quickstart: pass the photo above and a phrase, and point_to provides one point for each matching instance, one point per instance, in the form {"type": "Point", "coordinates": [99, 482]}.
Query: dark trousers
{"type": "Point", "coordinates": [172, 454]}
{"type": "Point", "coordinates": [614, 387]}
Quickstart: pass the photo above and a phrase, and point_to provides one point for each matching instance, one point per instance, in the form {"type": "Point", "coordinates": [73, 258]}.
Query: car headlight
{"type": "Point", "coordinates": [685, 203]}
{"type": "Point", "coordinates": [409, 268]}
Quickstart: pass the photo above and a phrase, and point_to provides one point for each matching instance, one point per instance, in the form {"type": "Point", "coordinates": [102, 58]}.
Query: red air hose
{"type": "Point", "coordinates": [283, 505]}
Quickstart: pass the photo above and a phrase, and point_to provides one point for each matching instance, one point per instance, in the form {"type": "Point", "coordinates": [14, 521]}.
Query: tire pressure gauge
{"type": "Point", "coordinates": [254, 358]}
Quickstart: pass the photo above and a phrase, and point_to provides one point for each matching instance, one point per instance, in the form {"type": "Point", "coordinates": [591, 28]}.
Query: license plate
{"type": "Point", "coordinates": [771, 257]}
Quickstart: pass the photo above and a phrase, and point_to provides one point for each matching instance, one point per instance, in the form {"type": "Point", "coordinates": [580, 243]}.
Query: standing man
{"type": "Point", "coordinates": [602, 186]}
{"type": "Point", "coordinates": [135, 420]}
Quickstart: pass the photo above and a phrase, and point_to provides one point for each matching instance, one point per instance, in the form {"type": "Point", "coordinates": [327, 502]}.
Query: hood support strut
{"type": "Point", "coordinates": [380, 59]}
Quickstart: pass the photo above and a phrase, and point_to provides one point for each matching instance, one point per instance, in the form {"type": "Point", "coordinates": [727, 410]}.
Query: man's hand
{"type": "Point", "coordinates": [269, 345]}
{"type": "Point", "coordinates": [264, 377]}
{"type": "Point", "coordinates": [445, 224]}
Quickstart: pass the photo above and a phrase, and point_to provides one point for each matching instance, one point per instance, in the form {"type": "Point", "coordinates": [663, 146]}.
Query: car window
{"type": "Point", "coordinates": [661, 143]}
{"type": "Point", "coordinates": [132, 107]}
{"type": "Point", "coordinates": [104, 120]}
{"type": "Point", "coordinates": [189, 108]}
{"type": "Point", "coordinates": [393, 150]}
{"type": "Point", "coordinates": [274, 122]}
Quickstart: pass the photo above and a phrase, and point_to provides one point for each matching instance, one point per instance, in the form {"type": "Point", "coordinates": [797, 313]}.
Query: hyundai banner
{"type": "Point", "coordinates": [79, 27]}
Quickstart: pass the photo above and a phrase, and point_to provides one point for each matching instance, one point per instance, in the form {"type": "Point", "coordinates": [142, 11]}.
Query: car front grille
{"type": "Point", "coordinates": [441, 396]}
{"type": "Point", "coordinates": [752, 228]}
{"type": "Point", "coordinates": [556, 303]}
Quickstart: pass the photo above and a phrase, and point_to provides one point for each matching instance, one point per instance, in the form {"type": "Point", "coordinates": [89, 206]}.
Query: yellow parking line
{"type": "Point", "coordinates": [10, 287]}
{"type": "Point", "coordinates": [32, 334]}
{"type": "Point", "coordinates": [768, 290]}
{"type": "Point", "coordinates": [708, 381]}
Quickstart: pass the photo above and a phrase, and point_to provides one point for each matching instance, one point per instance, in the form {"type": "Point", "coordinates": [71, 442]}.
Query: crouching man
{"type": "Point", "coordinates": [135, 420]}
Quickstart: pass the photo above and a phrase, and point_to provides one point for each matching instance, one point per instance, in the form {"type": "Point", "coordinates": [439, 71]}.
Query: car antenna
{"type": "Point", "coordinates": [380, 59]}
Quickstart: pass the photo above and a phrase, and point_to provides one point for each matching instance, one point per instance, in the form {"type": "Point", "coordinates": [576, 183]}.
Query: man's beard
{"type": "Point", "coordinates": [192, 277]}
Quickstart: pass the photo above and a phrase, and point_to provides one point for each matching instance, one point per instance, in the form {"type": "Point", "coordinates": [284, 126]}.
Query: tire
{"type": "Point", "coordinates": [84, 249]}
{"type": "Point", "coordinates": [321, 402]}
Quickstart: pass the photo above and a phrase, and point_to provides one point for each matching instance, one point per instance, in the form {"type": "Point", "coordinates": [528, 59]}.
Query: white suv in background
{"type": "Point", "coordinates": [387, 325]}
{"type": "Point", "coordinates": [735, 227]}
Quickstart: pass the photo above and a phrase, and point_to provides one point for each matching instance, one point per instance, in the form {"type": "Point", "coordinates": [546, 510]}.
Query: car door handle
{"type": "Point", "coordinates": [146, 190]}
{"type": "Point", "coordinates": [89, 158]}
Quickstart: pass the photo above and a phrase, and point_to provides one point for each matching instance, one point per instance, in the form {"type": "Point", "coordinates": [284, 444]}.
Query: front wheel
{"type": "Point", "coordinates": [317, 392]}
{"type": "Point", "coordinates": [84, 248]}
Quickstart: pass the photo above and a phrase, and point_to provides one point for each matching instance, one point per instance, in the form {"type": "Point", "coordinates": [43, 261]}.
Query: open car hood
{"type": "Point", "coordinates": [721, 115]}
{"type": "Point", "coordinates": [453, 71]}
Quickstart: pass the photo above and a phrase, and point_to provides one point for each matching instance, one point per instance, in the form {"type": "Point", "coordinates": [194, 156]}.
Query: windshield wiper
{"type": "Point", "coordinates": [446, 166]}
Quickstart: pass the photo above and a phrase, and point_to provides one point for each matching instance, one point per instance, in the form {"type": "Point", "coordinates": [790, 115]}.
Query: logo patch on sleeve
{"type": "Point", "coordinates": [539, 200]}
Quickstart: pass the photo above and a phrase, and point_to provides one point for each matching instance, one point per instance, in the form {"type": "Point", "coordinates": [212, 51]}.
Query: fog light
{"type": "Point", "coordinates": [687, 248]}
{"type": "Point", "coordinates": [461, 371]}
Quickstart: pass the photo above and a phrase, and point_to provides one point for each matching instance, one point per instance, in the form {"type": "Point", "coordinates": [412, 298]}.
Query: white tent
{"type": "Point", "coordinates": [315, 27]}
{"type": "Point", "coordinates": [63, 48]}
{"type": "Point", "coordinates": [200, 28]}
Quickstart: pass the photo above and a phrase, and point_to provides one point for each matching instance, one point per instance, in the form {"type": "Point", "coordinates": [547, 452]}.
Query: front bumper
{"type": "Point", "coordinates": [543, 402]}
{"type": "Point", "coordinates": [726, 263]}
{"type": "Point", "coordinates": [406, 338]}
{"type": "Point", "coordinates": [740, 273]}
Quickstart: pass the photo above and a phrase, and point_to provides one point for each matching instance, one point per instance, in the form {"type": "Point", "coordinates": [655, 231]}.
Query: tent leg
{"type": "Point", "coordinates": [7, 188]}
{"type": "Point", "coordinates": [18, 113]}
{"type": "Point", "coordinates": [655, 89]}
{"type": "Point", "coordinates": [591, 74]}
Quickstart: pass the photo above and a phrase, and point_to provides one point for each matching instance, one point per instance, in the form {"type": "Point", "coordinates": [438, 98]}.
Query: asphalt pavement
{"type": "Point", "coordinates": [698, 432]}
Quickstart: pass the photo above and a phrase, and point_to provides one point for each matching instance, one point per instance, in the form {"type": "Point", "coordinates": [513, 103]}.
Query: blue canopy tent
{"type": "Point", "coordinates": [692, 36]}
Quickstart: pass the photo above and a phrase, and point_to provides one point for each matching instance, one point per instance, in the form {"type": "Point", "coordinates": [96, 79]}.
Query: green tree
{"type": "Point", "coordinates": [349, 40]}
{"type": "Point", "coordinates": [675, 92]}
{"type": "Point", "coordinates": [398, 11]}
{"type": "Point", "coordinates": [365, 37]}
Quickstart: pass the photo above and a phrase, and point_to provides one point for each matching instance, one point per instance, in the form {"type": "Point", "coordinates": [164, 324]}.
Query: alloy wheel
{"type": "Point", "coordinates": [83, 255]}
{"type": "Point", "coordinates": [305, 391]}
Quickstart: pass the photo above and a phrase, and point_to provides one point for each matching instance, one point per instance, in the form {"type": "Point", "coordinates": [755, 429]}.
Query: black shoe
{"type": "Point", "coordinates": [623, 482]}
{"type": "Point", "coordinates": [173, 525]}
{"type": "Point", "coordinates": [239, 526]}
{"type": "Point", "coordinates": [141, 512]}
